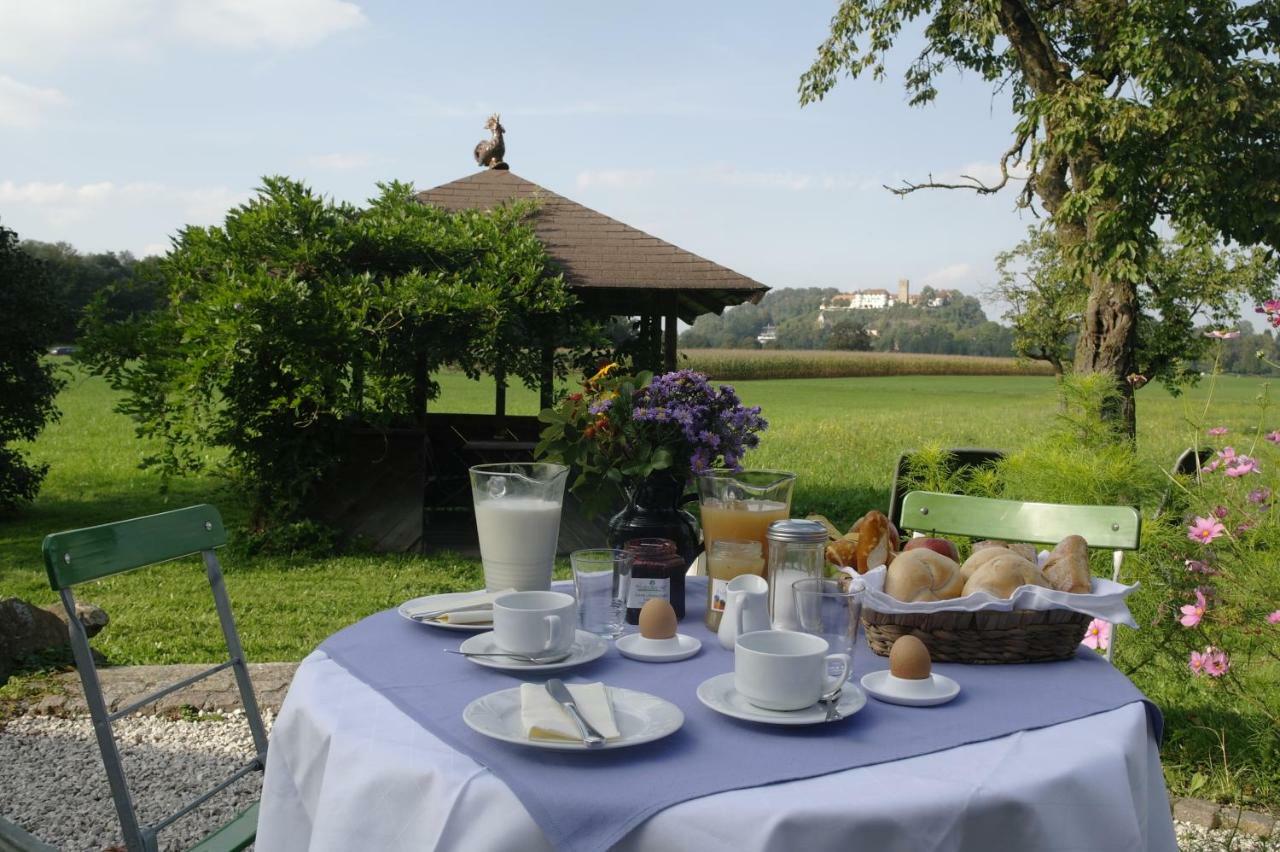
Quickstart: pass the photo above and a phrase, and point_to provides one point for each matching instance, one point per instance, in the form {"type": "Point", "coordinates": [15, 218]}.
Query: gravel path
{"type": "Point", "coordinates": [52, 782]}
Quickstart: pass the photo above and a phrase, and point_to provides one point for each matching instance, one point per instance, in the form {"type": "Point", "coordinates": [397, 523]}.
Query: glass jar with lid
{"type": "Point", "coordinates": [726, 559]}
{"type": "Point", "coordinates": [797, 550]}
{"type": "Point", "coordinates": [657, 571]}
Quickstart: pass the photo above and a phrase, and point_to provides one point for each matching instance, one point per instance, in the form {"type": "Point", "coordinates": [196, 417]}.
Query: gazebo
{"type": "Point", "coordinates": [408, 489]}
{"type": "Point", "coordinates": [615, 269]}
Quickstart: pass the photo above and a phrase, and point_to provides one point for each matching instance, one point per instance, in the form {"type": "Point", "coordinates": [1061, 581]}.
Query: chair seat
{"type": "Point", "coordinates": [233, 836]}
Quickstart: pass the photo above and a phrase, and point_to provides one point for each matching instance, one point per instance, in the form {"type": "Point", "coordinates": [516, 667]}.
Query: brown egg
{"type": "Point", "coordinates": [909, 659]}
{"type": "Point", "coordinates": [657, 619]}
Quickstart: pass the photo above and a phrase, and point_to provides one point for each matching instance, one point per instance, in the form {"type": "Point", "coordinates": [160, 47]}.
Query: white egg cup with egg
{"type": "Point", "coordinates": [658, 641]}
{"type": "Point", "coordinates": [912, 692]}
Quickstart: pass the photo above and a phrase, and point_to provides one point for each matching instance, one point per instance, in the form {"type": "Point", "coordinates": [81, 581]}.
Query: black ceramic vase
{"type": "Point", "coordinates": [654, 510]}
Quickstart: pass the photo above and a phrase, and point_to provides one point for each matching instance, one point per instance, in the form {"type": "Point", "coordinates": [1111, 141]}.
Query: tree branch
{"type": "Point", "coordinates": [1012, 156]}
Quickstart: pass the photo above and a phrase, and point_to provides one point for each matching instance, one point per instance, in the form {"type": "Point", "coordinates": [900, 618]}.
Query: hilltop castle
{"type": "Point", "coordinates": [878, 300]}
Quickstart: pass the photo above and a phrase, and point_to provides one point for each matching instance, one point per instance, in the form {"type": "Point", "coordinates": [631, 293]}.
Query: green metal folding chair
{"type": "Point", "coordinates": [78, 556]}
{"type": "Point", "coordinates": [1116, 528]}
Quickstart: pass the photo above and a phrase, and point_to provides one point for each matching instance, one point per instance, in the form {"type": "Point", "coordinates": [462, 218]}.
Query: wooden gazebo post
{"type": "Point", "coordinates": [670, 329]}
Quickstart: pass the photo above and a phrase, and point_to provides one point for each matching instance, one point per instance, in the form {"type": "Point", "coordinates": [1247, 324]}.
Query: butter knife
{"type": "Point", "coordinates": [591, 738]}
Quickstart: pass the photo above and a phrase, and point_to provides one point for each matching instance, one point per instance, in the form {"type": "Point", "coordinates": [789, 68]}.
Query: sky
{"type": "Point", "coordinates": [123, 120]}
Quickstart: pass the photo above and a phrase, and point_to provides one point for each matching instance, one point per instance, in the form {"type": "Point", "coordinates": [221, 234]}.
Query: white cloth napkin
{"type": "Point", "coordinates": [1105, 600]}
{"type": "Point", "coordinates": [544, 719]}
{"type": "Point", "coordinates": [474, 609]}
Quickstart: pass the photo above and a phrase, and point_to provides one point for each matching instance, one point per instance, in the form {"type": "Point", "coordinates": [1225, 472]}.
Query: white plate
{"type": "Point", "coordinates": [880, 687]}
{"type": "Point", "coordinates": [433, 602]}
{"type": "Point", "coordinates": [632, 646]}
{"type": "Point", "coordinates": [585, 648]}
{"type": "Point", "coordinates": [641, 718]}
{"type": "Point", "coordinates": [719, 694]}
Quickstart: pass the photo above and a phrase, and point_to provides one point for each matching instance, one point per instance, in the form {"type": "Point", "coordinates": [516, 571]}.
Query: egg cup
{"type": "Point", "coordinates": [671, 650]}
{"type": "Point", "coordinates": [922, 692]}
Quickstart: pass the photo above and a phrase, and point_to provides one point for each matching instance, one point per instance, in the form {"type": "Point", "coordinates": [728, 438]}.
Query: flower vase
{"type": "Point", "coordinates": [653, 511]}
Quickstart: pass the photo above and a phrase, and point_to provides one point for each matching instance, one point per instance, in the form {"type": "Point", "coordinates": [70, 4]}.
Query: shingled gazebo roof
{"type": "Point", "coordinates": [616, 268]}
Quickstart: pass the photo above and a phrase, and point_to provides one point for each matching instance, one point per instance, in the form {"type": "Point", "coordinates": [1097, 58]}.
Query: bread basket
{"type": "Point", "coordinates": [986, 636]}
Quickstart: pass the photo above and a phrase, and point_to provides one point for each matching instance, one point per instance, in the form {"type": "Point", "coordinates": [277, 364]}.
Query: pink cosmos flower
{"type": "Point", "coordinates": [1192, 613]}
{"type": "Point", "coordinates": [1205, 530]}
{"type": "Point", "coordinates": [1222, 334]}
{"type": "Point", "coordinates": [1274, 437]}
{"type": "Point", "coordinates": [1242, 465]}
{"type": "Point", "coordinates": [1196, 566]}
{"type": "Point", "coordinates": [1274, 618]}
{"type": "Point", "coordinates": [1220, 512]}
{"type": "Point", "coordinates": [1259, 495]}
{"type": "Point", "coordinates": [1216, 431]}
{"type": "Point", "coordinates": [1216, 662]}
{"type": "Point", "coordinates": [1196, 662]}
{"type": "Point", "coordinates": [1098, 636]}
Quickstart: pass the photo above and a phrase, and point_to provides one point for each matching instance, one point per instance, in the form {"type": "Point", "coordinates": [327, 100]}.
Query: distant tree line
{"type": "Point", "coordinates": [956, 327]}
{"type": "Point", "coordinates": [75, 279]}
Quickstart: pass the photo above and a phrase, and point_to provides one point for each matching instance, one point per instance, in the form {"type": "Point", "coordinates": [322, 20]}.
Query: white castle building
{"type": "Point", "coordinates": [876, 300]}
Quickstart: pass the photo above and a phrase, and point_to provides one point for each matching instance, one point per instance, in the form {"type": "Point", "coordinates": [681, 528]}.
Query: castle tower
{"type": "Point", "coordinates": [904, 291]}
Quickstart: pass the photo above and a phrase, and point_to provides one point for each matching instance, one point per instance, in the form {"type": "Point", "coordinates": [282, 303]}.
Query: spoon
{"type": "Point", "coordinates": [524, 658]}
{"type": "Point", "coordinates": [832, 700]}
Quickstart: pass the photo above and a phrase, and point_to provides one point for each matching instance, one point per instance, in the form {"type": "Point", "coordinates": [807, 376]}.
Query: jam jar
{"type": "Point", "coordinates": [657, 571]}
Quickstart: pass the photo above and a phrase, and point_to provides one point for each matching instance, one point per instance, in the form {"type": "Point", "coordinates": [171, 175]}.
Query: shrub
{"type": "Point", "coordinates": [29, 319]}
{"type": "Point", "coordinates": [298, 316]}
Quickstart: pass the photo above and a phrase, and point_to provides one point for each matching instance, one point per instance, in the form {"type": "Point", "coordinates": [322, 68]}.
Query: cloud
{"type": "Point", "coordinates": [64, 203]}
{"type": "Point", "coordinates": [155, 249]}
{"type": "Point", "coordinates": [953, 274]}
{"type": "Point", "coordinates": [46, 32]}
{"type": "Point", "coordinates": [616, 178]}
{"type": "Point", "coordinates": [730, 176]}
{"type": "Point", "coordinates": [265, 23]}
{"type": "Point", "coordinates": [23, 105]}
{"type": "Point", "coordinates": [338, 161]}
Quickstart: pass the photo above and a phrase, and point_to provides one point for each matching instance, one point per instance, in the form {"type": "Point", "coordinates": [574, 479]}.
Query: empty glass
{"type": "Point", "coordinates": [823, 609]}
{"type": "Point", "coordinates": [601, 579]}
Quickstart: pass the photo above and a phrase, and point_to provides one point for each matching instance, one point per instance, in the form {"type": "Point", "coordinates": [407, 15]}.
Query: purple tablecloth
{"type": "Point", "coordinates": [588, 801]}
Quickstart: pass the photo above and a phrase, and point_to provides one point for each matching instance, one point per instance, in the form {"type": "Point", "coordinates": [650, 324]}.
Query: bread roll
{"type": "Point", "coordinates": [1001, 575]}
{"type": "Point", "coordinates": [923, 575]}
{"type": "Point", "coordinates": [1067, 569]}
{"type": "Point", "coordinates": [875, 542]}
{"type": "Point", "coordinates": [981, 557]}
{"type": "Point", "coordinates": [1026, 551]}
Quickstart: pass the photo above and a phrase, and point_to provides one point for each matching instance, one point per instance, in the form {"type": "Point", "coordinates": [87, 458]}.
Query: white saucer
{"type": "Point", "coordinates": [719, 694]}
{"type": "Point", "coordinates": [586, 647]}
{"type": "Point", "coordinates": [632, 645]}
{"type": "Point", "coordinates": [434, 602]}
{"type": "Point", "coordinates": [881, 687]}
{"type": "Point", "coordinates": [641, 718]}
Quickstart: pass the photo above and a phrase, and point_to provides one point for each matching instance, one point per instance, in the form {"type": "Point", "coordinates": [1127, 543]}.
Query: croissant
{"type": "Point", "coordinates": [1067, 568]}
{"type": "Point", "coordinates": [875, 545]}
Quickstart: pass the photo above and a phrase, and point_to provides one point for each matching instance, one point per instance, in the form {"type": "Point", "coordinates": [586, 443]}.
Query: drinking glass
{"type": "Point", "coordinates": [518, 520]}
{"type": "Point", "coordinates": [601, 578]}
{"type": "Point", "coordinates": [824, 609]}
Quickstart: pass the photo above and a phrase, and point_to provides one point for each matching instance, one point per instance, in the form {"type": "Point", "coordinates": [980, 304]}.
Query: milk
{"type": "Point", "coordinates": [517, 541]}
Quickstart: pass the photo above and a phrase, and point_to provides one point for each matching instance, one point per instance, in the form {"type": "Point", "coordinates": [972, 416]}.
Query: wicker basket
{"type": "Point", "coordinates": [1021, 636]}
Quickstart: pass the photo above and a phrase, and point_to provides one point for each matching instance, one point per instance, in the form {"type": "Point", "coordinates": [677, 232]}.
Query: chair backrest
{"type": "Point", "coordinates": [1110, 527]}
{"type": "Point", "coordinates": [78, 556]}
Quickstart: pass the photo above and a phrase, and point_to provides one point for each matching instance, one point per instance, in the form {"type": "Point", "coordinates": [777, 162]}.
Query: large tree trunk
{"type": "Point", "coordinates": [1108, 344]}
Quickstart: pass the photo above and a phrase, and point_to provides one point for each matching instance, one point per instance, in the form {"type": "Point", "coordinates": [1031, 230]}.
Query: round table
{"type": "Point", "coordinates": [348, 770]}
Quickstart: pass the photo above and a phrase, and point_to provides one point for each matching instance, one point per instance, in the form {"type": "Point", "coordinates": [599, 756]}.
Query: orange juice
{"type": "Point", "coordinates": [740, 520]}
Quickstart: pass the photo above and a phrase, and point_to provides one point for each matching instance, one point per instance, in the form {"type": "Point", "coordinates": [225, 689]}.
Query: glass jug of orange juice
{"type": "Point", "coordinates": [740, 505]}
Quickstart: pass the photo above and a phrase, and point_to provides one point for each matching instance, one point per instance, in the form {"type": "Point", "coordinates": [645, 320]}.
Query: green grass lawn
{"type": "Point", "coordinates": [842, 436]}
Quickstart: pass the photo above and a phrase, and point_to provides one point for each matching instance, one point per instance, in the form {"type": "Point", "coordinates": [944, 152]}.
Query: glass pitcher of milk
{"type": "Point", "coordinates": [518, 520]}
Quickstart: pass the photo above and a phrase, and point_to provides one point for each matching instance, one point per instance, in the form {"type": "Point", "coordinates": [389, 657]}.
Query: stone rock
{"type": "Point", "coordinates": [1196, 811]}
{"type": "Point", "coordinates": [94, 618]}
{"type": "Point", "coordinates": [1249, 822]}
{"type": "Point", "coordinates": [26, 629]}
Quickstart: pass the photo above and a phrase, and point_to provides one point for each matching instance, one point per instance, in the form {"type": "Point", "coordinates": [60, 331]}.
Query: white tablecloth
{"type": "Point", "coordinates": [347, 770]}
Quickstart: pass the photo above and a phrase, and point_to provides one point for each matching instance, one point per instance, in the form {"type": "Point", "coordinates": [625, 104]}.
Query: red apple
{"type": "Point", "coordinates": [937, 545]}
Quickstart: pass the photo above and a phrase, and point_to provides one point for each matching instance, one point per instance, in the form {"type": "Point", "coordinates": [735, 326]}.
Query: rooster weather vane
{"type": "Point", "coordinates": [489, 151]}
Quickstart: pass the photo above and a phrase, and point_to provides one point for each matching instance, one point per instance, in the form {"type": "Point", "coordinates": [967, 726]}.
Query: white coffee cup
{"type": "Point", "coordinates": [535, 623]}
{"type": "Point", "coordinates": [784, 670]}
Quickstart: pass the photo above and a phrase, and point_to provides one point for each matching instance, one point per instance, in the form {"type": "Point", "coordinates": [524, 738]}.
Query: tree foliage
{"type": "Point", "coordinates": [298, 316]}
{"type": "Point", "coordinates": [30, 317]}
{"type": "Point", "coordinates": [1189, 283]}
{"type": "Point", "coordinates": [76, 278]}
{"type": "Point", "coordinates": [1127, 113]}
